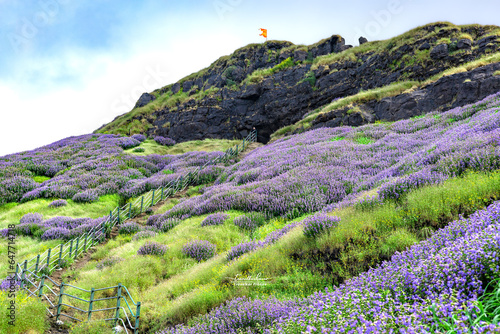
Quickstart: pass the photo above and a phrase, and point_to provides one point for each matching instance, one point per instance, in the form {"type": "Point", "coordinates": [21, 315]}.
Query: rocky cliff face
{"type": "Point", "coordinates": [240, 100]}
{"type": "Point", "coordinates": [446, 93]}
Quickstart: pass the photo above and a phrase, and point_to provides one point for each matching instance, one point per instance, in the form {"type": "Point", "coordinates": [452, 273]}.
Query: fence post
{"type": "Point", "coordinates": [118, 215]}
{"type": "Point", "coordinates": [91, 302]}
{"type": "Point", "coordinates": [137, 314]}
{"type": "Point", "coordinates": [153, 198]}
{"type": "Point", "coordinates": [40, 287]}
{"type": "Point", "coordinates": [70, 249]}
{"type": "Point", "coordinates": [37, 263]}
{"type": "Point", "coordinates": [60, 255]}
{"type": "Point", "coordinates": [118, 296]}
{"type": "Point", "coordinates": [48, 259]}
{"type": "Point", "coordinates": [142, 202]}
{"type": "Point", "coordinates": [110, 215]}
{"type": "Point", "coordinates": [59, 304]}
{"type": "Point", "coordinates": [23, 273]}
{"type": "Point", "coordinates": [76, 249]}
{"type": "Point", "coordinates": [85, 243]}
{"type": "Point", "coordinates": [161, 193]}
{"type": "Point", "coordinates": [130, 210]}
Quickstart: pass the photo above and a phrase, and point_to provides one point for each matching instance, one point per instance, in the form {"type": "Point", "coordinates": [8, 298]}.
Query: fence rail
{"type": "Point", "coordinates": [33, 273]}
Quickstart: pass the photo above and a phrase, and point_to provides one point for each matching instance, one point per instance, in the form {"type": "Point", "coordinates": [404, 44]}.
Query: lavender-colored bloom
{"type": "Point", "coordinates": [319, 224]}
{"type": "Point", "coordinates": [250, 221]}
{"type": "Point", "coordinates": [138, 137]}
{"type": "Point", "coordinates": [58, 203]}
{"type": "Point", "coordinates": [164, 141]}
{"type": "Point", "coordinates": [108, 262]}
{"type": "Point", "coordinates": [396, 188]}
{"type": "Point", "coordinates": [56, 233]}
{"type": "Point", "coordinates": [144, 235]}
{"type": "Point", "coordinates": [129, 228]}
{"type": "Point", "coordinates": [31, 218]}
{"type": "Point", "coordinates": [240, 315]}
{"type": "Point", "coordinates": [241, 249]}
{"type": "Point", "coordinates": [215, 219]}
{"type": "Point", "coordinates": [86, 196]}
{"type": "Point", "coordinates": [152, 248]}
{"type": "Point", "coordinates": [200, 250]}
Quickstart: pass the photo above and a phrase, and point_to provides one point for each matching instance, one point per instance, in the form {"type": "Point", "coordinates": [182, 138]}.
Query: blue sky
{"type": "Point", "coordinates": [69, 66]}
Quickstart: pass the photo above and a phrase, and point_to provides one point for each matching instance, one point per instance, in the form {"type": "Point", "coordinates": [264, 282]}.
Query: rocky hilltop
{"type": "Point", "coordinates": [276, 84]}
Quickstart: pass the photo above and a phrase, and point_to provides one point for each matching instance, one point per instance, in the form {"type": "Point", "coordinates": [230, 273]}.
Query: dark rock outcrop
{"type": "Point", "coordinates": [446, 93]}
{"type": "Point", "coordinates": [232, 108]}
{"type": "Point", "coordinates": [362, 40]}
{"type": "Point", "coordinates": [439, 52]}
{"type": "Point", "coordinates": [144, 99]}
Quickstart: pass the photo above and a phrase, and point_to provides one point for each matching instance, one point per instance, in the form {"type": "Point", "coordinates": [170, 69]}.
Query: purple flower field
{"type": "Point", "coordinates": [85, 167]}
{"type": "Point", "coordinates": [309, 172]}
{"type": "Point", "coordinates": [449, 271]}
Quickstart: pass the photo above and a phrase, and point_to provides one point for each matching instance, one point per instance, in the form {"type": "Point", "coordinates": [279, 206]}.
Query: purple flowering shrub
{"type": "Point", "coordinates": [161, 223]}
{"type": "Point", "coordinates": [86, 196]}
{"type": "Point", "coordinates": [271, 238]}
{"type": "Point", "coordinates": [144, 234]}
{"type": "Point", "coordinates": [240, 313]}
{"type": "Point", "coordinates": [108, 262]}
{"type": "Point", "coordinates": [127, 142]}
{"type": "Point", "coordinates": [164, 141]}
{"type": "Point", "coordinates": [129, 228]}
{"type": "Point", "coordinates": [56, 233]}
{"type": "Point", "coordinates": [58, 203]}
{"type": "Point", "coordinates": [12, 189]}
{"type": "Point", "coordinates": [31, 218]}
{"type": "Point", "coordinates": [250, 221]}
{"type": "Point", "coordinates": [200, 250]}
{"type": "Point", "coordinates": [152, 248]}
{"type": "Point", "coordinates": [241, 249]}
{"type": "Point", "coordinates": [400, 186]}
{"type": "Point", "coordinates": [10, 283]}
{"type": "Point", "coordinates": [319, 224]}
{"type": "Point", "coordinates": [32, 224]}
{"type": "Point", "coordinates": [139, 137]}
{"type": "Point", "coordinates": [215, 219]}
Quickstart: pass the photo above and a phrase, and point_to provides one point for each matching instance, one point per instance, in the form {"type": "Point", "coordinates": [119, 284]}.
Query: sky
{"type": "Point", "coordinates": [69, 66]}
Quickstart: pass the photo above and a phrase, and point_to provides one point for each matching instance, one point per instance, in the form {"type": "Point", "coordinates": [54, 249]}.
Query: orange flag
{"type": "Point", "coordinates": [264, 32]}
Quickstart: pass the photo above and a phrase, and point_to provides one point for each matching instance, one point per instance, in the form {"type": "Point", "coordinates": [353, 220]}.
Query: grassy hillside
{"type": "Point", "coordinates": [308, 212]}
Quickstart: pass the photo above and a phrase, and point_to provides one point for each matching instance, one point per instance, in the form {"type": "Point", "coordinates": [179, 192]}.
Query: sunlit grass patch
{"type": "Point", "coordinates": [207, 145]}
{"type": "Point", "coordinates": [10, 213]}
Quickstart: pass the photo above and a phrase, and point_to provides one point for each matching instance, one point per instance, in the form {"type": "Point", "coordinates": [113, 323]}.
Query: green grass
{"type": "Point", "coordinates": [496, 73]}
{"type": "Point", "coordinates": [30, 314]}
{"type": "Point", "coordinates": [10, 213]}
{"type": "Point", "coordinates": [207, 145]}
{"type": "Point", "coordinates": [259, 75]}
{"type": "Point", "coordinates": [40, 179]}
{"type": "Point", "coordinates": [93, 327]}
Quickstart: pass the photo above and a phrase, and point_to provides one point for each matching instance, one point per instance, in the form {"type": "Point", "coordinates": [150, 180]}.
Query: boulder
{"type": "Point", "coordinates": [176, 88]}
{"type": "Point", "coordinates": [464, 44]}
{"type": "Point", "coordinates": [362, 40]}
{"type": "Point", "coordinates": [425, 46]}
{"type": "Point", "coordinates": [144, 99]}
{"type": "Point", "coordinates": [439, 52]}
